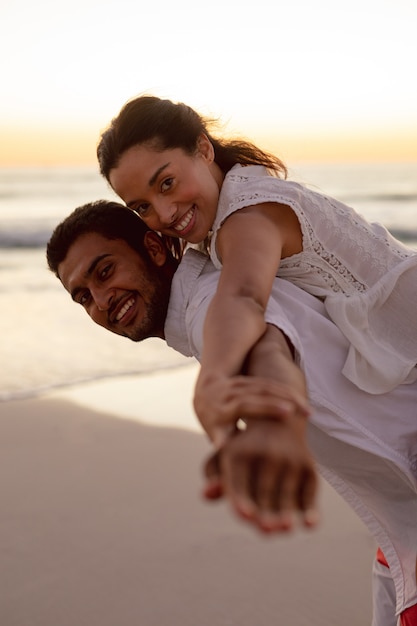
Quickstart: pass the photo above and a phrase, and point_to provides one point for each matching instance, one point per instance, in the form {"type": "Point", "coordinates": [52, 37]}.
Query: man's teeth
{"type": "Point", "coordinates": [124, 309]}
{"type": "Point", "coordinates": [185, 221]}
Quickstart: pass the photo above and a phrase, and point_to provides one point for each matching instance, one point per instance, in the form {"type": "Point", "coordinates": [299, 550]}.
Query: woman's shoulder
{"type": "Point", "coordinates": [250, 174]}
{"type": "Point", "coordinates": [242, 173]}
{"type": "Point", "coordinates": [257, 182]}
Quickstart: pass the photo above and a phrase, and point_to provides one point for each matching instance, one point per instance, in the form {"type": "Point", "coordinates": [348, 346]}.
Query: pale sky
{"type": "Point", "coordinates": [310, 80]}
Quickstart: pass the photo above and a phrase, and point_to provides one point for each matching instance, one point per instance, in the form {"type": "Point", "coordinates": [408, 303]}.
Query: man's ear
{"type": "Point", "coordinates": [155, 248]}
{"type": "Point", "coordinates": [205, 148]}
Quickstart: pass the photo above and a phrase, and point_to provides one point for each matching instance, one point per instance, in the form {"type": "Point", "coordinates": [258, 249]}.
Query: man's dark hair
{"type": "Point", "coordinates": [109, 219]}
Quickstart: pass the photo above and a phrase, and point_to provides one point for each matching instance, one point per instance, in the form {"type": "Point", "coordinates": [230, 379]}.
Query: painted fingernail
{"type": "Point", "coordinates": [246, 508]}
{"type": "Point", "coordinates": [311, 517]}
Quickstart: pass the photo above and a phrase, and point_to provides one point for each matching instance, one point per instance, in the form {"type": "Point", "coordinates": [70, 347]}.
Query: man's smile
{"type": "Point", "coordinates": [124, 311]}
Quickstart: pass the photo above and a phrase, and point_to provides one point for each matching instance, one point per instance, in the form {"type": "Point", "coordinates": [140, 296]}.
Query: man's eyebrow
{"type": "Point", "coordinates": [151, 181]}
{"type": "Point", "coordinates": [89, 271]}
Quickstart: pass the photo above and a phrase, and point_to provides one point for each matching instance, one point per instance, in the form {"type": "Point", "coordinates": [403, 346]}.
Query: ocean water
{"type": "Point", "coordinates": [47, 342]}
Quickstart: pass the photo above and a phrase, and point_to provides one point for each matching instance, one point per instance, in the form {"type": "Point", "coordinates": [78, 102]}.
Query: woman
{"type": "Point", "coordinates": [161, 159]}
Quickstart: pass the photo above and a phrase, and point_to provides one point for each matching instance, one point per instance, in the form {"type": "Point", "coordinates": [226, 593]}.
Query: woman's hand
{"type": "Point", "coordinates": [221, 402]}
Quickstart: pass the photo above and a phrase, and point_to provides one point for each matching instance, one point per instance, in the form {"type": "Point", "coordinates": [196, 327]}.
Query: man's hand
{"type": "Point", "coordinates": [267, 473]}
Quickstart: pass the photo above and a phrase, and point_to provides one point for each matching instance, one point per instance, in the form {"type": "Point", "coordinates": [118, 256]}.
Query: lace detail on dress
{"type": "Point", "coordinates": [372, 238]}
{"type": "Point", "coordinates": [344, 235]}
{"type": "Point", "coordinates": [328, 278]}
{"type": "Point", "coordinates": [237, 178]}
{"type": "Point", "coordinates": [338, 268]}
{"type": "Point", "coordinates": [247, 199]}
{"type": "Point", "coordinates": [342, 252]}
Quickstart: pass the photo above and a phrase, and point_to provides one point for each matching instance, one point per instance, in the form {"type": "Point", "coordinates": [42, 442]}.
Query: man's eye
{"type": "Point", "coordinates": [104, 272]}
{"type": "Point", "coordinates": [167, 184]}
{"type": "Point", "coordinates": [83, 298]}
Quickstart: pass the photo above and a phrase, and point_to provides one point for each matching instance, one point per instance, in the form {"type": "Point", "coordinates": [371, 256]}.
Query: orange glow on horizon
{"type": "Point", "coordinates": [47, 147]}
{"type": "Point", "coordinates": [355, 147]}
{"type": "Point", "coordinates": [69, 146]}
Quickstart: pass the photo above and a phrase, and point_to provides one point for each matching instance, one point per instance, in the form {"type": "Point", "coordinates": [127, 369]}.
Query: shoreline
{"type": "Point", "coordinates": [103, 523]}
{"type": "Point", "coordinates": [157, 398]}
{"type": "Point", "coordinates": [94, 384]}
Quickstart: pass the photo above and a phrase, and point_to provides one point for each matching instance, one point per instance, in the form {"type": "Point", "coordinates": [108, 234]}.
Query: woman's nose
{"type": "Point", "coordinates": [166, 212]}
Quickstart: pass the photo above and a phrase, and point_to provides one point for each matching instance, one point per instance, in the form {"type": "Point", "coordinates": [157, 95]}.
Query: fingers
{"type": "Point", "coordinates": [213, 488]}
{"type": "Point", "coordinates": [220, 406]}
{"type": "Point", "coordinates": [248, 396]}
{"type": "Point", "coordinates": [277, 498]}
{"type": "Point", "coordinates": [308, 496]}
{"type": "Point", "coordinates": [247, 407]}
{"type": "Point", "coordinates": [239, 483]}
{"type": "Point", "coordinates": [288, 500]}
{"type": "Point", "coordinates": [219, 435]}
{"type": "Point", "coordinates": [268, 476]}
{"type": "Point", "coordinates": [274, 504]}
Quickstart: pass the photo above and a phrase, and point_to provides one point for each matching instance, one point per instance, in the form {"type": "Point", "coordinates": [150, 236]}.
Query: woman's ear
{"type": "Point", "coordinates": [205, 148]}
{"type": "Point", "coordinates": [155, 248]}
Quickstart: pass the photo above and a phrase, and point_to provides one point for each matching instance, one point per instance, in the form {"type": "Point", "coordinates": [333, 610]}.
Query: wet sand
{"type": "Point", "coordinates": [102, 523]}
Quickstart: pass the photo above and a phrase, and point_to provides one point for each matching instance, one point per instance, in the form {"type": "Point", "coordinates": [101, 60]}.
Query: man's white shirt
{"type": "Point", "coordinates": [365, 445]}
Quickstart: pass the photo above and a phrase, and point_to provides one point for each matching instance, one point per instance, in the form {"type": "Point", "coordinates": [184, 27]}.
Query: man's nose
{"type": "Point", "coordinates": [103, 298]}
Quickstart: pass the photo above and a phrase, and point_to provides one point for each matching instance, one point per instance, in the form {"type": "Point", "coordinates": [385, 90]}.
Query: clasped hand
{"type": "Point", "coordinates": [265, 469]}
{"type": "Point", "coordinates": [220, 402]}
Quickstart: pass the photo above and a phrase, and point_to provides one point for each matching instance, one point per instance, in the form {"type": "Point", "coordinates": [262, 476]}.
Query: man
{"type": "Point", "coordinates": [366, 445]}
{"type": "Point", "coordinates": [126, 289]}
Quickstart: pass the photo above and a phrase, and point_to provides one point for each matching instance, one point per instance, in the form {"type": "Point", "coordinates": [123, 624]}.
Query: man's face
{"type": "Point", "coordinates": [120, 290]}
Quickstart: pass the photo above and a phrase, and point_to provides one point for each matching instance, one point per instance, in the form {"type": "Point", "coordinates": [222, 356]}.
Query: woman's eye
{"type": "Point", "coordinates": [167, 184]}
{"type": "Point", "coordinates": [142, 209]}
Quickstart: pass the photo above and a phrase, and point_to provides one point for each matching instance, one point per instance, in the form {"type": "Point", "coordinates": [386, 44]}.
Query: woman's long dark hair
{"type": "Point", "coordinates": [167, 125]}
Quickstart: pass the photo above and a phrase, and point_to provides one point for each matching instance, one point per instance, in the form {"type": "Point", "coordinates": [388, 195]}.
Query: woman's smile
{"type": "Point", "coordinates": [184, 225]}
{"type": "Point", "coordinates": [174, 192]}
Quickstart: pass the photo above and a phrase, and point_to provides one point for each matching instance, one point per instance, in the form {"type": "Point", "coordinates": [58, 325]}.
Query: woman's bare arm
{"type": "Point", "coordinates": [250, 244]}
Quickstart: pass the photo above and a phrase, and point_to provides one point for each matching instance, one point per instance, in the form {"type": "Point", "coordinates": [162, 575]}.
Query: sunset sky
{"type": "Point", "coordinates": [316, 80]}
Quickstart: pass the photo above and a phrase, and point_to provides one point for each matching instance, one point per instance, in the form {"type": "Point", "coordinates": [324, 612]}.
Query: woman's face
{"type": "Point", "coordinates": [173, 192]}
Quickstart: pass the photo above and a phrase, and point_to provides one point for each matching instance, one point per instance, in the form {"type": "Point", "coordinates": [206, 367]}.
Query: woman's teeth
{"type": "Point", "coordinates": [185, 221]}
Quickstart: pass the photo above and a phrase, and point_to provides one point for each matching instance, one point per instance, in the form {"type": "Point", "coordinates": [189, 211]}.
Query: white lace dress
{"type": "Point", "coordinates": [367, 279]}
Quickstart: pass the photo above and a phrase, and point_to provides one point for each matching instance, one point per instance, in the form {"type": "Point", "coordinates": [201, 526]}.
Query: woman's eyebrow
{"type": "Point", "coordinates": [151, 182]}
{"type": "Point", "coordinates": [155, 176]}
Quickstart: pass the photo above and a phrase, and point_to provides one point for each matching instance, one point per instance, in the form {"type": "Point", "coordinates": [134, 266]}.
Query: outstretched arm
{"type": "Point", "coordinates": [266, 470]}
{"type": "Point", "coordinates": [250, 244]}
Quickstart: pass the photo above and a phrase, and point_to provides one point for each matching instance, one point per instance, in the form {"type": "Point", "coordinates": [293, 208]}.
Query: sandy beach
{"type": "Point", "coordinates": [102, 523]}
